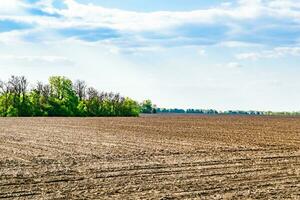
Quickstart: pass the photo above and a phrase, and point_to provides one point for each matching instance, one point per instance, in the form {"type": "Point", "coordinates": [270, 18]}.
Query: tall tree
{"type": "Point", "coordinates": [63, 99]}
{"type": "Point", "coordinates": [147, 107]}
{"type": "Point", "coordinates": [80, 89]}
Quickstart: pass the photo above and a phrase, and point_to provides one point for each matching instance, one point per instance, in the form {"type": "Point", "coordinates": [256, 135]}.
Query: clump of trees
{"type": "Point", "coordinates": [215, 112]}
{"type": "Point", "coordinates": [282, 113]}
{"type": "Point", "coordinates": [171, 110]}
{"type": "Point", "coordinates": [61, 97]}
{"type": "Point", "coordinates": [148, 108]}
{"type": "Point", "coordinates": [208, 111]}
{"type": "Point", "coordinates": [188, 111]}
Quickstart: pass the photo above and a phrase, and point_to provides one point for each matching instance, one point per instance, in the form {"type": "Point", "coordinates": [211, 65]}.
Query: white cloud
{"type": "Point", "coordinates": [234, 44]}
{"type": "Point", "coordinates": [12, 37]}
{"type": "Point", "coordinates": [274, 53]}
{"type": "Point", "coordinates": [281, 51]}
{"type": "Point", "coordinates": [201, 52]}
{"type": "Point", "coordinates": [233, 65]}
{"type": "Point", "coordinates": [248, 56]}
{"type": "Point", "coordinates": [228, 21]}
{"type": "Point", "coordinates": [139, 21]}
{"type": "Point", "coordinates": [38, 59]}
{"type": "Point", "coordinates": [284, 4]}
{"type": "Point", "coordinates": [226, 4]}
{"type": "Point", "coordinates": [12, 7]}
{"type": "Point", "coordinates": [135, 50]}
{"type": "Point", "coordinates": [82, 15]}
{"type": "Point", "coordinates": [96, 16]}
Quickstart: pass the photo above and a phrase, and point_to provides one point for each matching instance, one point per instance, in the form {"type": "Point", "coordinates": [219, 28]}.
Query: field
{"type": "Point", "coordinates": [150, 157]}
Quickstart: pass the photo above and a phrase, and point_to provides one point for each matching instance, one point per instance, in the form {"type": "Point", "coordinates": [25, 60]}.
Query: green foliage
{"type": "Point", "coordinates": [12, 112]}
{"type": "Point", "coordinates": [82, 109]}
{"type": "Point", "coordinates": [130, 108]}
{"type": "Point", "coordinates": [61, 98]}
{"type": "Point", "coordinates": [147, 107]}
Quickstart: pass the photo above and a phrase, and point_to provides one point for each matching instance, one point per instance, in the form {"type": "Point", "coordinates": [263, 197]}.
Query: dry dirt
{"type": "Point", "coordinates": [151, 157]}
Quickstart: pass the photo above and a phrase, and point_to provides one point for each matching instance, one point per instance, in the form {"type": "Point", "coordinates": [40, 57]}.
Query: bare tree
{"type": "Point", "coordinates": [23, 84]}
{"type": "Point", "coordinates": [43, 90]}
{"type": "Point", "coordinates": [14, 85]}
{"type": "Point", "coordinates": [92, 93]}
{"type": "Point", "coordinates": [18, 88]}
{"type": "Point", "coordinates": [111, 96]}
{"type": "Point", "coordinates": [15, 88]}
{"type": "Point", "coordinates": [80, 89]}
{"type": "Point", "coordinates": [101, 96]}
{"type": "Point", "coordinates": [2, 86]}
{"type": "Point", "coordinates": [116, 98]}
{"type": "Point", "coordinates": [46, 91]}
{"type": "Point", "coordinates": [39, 87]}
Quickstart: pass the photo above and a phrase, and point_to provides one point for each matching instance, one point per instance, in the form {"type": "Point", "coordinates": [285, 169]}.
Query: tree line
{"type": "Point", "coordinates": [187, 111]}
{"type": "Point", "coordinates": [61, 97]}
{"type": "Point", "coordinates": [228, 112]}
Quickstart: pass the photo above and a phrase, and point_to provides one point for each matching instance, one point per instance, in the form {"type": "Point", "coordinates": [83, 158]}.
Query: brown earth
{"type": "Point", "coordinates": [154, 157]}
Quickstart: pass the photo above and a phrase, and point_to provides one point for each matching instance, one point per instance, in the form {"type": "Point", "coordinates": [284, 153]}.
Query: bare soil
{"type": "Point", "coordinates": [150, 157]}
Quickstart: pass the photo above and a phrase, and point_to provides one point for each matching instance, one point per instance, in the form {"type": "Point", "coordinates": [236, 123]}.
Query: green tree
{"type": "Point", "coordinates": [63, 100]}
{"type": "Point", "coordinates": [148, 107]}
{"type": "Point", "coordinates": [130, 108]}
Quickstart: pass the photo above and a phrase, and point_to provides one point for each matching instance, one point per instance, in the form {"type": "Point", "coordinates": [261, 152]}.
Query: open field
{"type": "Point", "coordinates": [154, 157]}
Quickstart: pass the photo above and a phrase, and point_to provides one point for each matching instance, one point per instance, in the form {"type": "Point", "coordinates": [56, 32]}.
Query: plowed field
{"type": "Point", "coordinates": [150, 157]}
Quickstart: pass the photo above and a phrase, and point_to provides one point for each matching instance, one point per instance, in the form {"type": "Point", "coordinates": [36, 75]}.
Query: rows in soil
{"type": "Point", "coordinates": [125, 158]}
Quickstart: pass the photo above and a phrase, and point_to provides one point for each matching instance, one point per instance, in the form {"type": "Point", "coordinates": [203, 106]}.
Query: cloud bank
{"type": "Point", "coordinates": [244, 22]}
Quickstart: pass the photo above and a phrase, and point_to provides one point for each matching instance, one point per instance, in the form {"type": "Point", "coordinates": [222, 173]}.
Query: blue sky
{"type": "Point", "coordinates": [191, 54]}
{"type": "Point", "coordinates": [155, 5]}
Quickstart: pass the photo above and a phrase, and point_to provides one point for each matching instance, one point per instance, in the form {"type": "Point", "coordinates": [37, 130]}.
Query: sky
{"type": "Point", "coordinates": [218, 54]}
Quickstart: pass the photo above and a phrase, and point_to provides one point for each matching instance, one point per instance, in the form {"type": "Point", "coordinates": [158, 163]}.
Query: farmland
{"type": "Point", "coordinates": [150, 157]}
